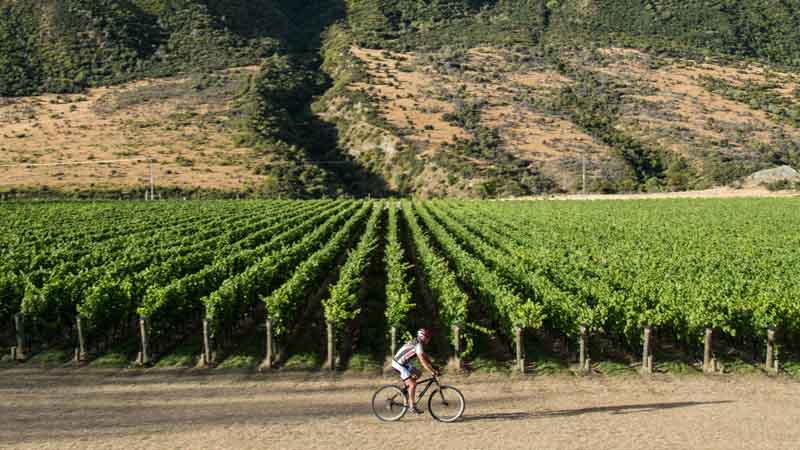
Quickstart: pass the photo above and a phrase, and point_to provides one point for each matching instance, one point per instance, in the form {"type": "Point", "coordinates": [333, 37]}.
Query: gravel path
{"type": "Point", "coordinates": [720, 192]}
{"type": "Point", "coordinates": [88, 409]}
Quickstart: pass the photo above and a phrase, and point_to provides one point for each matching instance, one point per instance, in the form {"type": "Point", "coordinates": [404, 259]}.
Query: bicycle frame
{"type": "Point", "coordinates": [427, 382]}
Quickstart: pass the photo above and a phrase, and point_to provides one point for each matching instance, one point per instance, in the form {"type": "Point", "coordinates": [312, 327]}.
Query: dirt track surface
{"type": "Point", "coordinates": [79, 409]}
{"type": "Point", "coordinates": [720, 192]}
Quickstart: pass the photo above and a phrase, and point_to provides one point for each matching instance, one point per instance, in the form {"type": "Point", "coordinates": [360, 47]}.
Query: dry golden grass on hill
{"type": "Point", "coordinates": [405, 98]}
{"type": "Point", "coordinates": [183, 123]}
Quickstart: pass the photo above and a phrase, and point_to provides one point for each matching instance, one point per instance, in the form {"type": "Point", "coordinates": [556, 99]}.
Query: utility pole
{"type": "Point", "coordinates": [583, 171]}
{"type": "Point", "coordinates": [152, 180]}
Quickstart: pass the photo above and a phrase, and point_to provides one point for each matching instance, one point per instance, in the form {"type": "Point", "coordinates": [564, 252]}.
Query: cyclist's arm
{"type": "Point", "coordinates": [426, 363]}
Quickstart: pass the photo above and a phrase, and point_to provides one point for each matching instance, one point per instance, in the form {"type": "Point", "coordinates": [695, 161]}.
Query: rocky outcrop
{"type": "Point", "coordinates": [772, 175]}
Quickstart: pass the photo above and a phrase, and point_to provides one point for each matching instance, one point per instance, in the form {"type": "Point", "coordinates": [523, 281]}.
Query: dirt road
{"type": "Point", "coordinates": [719, 192]}
{"type": "Point", "coordinates": [82, 409]}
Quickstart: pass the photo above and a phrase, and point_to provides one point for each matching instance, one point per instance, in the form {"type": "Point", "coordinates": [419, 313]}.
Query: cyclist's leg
{"type": "Point", "coordinates": [409, 376]}
{"type": "Point", "coordinates": [411, 382]}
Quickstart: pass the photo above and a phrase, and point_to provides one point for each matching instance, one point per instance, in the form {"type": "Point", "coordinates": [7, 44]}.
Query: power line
{"type": "Point", "coordinates": [305, 163]}
{"type": "Point", "coordinates": [76, 163]}
{"type": "Point", "coordinates": [111, 161]}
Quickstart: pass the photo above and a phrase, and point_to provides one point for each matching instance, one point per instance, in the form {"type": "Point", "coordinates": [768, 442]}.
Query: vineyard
{"type": "Point", "coordinates": [340, 283]}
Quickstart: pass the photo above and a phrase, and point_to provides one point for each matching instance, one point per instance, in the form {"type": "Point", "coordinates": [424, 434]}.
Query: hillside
{"type": "Point", "coordinates": [512, 122]}
{"type": "Point", "coordinates": [185, 123]}
{"type": "Point", "coordinates": [356, 97]}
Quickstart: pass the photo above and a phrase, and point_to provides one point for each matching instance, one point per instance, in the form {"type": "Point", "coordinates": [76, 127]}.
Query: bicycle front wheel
{"type": "Point", "coordinates": [389, 403]}
{"type": "Point", "coordinates": [446, 404]}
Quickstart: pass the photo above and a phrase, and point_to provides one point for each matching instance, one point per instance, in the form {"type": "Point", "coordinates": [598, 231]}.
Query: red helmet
{"type": "Point", "coordinates": [423, 334]}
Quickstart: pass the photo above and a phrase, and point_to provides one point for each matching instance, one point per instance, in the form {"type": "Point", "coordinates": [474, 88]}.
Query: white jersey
{"type": "Point", "coordinates": [409, 351]}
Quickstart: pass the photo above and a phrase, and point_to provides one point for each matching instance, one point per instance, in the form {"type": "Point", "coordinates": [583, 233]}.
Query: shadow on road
{"type": "Point", "coordinates": [498, 416]}
{"type": "Point", "coordinates": [627, 409]}
{"type": "Point", "coordinates": [617, 409]}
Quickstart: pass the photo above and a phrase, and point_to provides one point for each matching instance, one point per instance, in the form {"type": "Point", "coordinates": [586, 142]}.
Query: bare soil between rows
{"type": "Point", "coordinates": [157, 409]}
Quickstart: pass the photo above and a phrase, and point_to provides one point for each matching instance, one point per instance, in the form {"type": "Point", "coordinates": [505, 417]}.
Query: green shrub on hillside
{"type": "Point", "coordinates": [782, 185]}
{"type": "Point", "coordinates": [60, 45]}
{"type": "Point", "coordinates": [66, 46]}
{"type": "Point", "coordinates": [594, 103]}
{"type": "Point", "coordinates": [20, 71]}
{"type": "Point", "coordinates": [284, 88]}
{"type": "Point", "coordinates": [411, 24]}
{"type": "Point", "coordinates": [764, 29]}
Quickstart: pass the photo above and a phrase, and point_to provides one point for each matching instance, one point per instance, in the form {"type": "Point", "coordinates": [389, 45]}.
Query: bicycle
{"type": "Point", "coordinates": [445, 403]}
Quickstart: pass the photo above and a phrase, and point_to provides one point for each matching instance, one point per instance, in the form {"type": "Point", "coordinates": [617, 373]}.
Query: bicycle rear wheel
{"type": "Point", "coordinates": [389, 403]}
{"type": "Point", "coordinates": [446, 404]}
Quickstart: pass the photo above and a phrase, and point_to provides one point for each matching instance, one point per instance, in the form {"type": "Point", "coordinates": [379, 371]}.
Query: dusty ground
{"type": "Point", "coordinates": [722, 192]}
{"type": "Point", "coordinates": [147, 410]}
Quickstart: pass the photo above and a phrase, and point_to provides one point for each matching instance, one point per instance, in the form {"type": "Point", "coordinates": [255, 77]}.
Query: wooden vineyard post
{"type": "Point", "coordinates": [392, 348]}
{"type": "Point", "coordinates": [207, 356]}
{"type": "Point", "coordinates": [708, 364]}
{"type": "Point", "coordinates": [520, 354]}
{"type": "Point", "coordinates": [770, 365]}
{"type": "Point", "coordinates": [267, 364]}
{"type": "Point", "coordinates": [455, 361]}
{"type": "Point", "coordinates": [583, 359]}
{"type": "Point", "coordinates": [19, 325]}
{"type": "Point", "coordinates": [329, 363]}
{"type": "Point", "coordinates": [393, 344]}
{"type": "Point", "coordinates": [144, 331]}
{"type": "Point", "coordinates": [81, 355]}
{"type": "Point", "coordinates": [647, 358]}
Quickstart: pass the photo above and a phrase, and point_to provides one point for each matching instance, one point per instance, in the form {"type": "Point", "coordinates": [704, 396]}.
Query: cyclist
{"type": "Point", "coordinates": [402, 363]}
